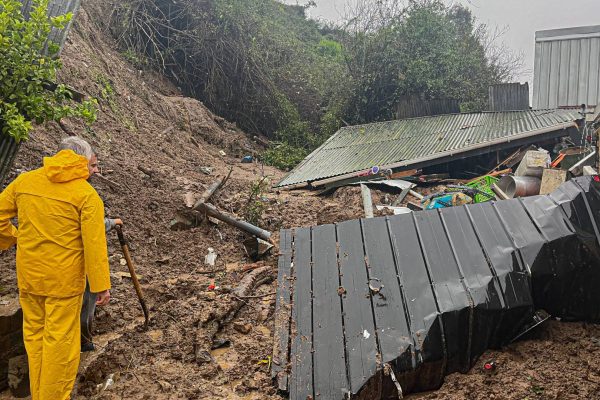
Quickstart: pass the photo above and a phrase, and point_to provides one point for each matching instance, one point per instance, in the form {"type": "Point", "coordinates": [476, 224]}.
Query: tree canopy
{"type": "Point", "coordinates": [274, 71]}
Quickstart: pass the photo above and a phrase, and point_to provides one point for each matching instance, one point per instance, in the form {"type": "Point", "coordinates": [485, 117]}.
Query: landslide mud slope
{"type": "Point", "coordinates": [146, 124]}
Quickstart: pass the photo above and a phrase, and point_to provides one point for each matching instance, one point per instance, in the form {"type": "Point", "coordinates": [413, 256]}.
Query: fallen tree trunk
{"type": "Point", "coordinates": [208, 328]}
{"type": "Point", "coordinates": [210, 191]}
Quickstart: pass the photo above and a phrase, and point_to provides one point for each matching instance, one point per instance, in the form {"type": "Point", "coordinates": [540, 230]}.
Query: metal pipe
{"type": "Point", "coordinates": [519, 186]}
{"type": "Point", "coordinates": [211, 210]}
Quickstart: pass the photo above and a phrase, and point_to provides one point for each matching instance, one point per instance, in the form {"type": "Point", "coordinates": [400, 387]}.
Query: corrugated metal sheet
{"type": "Point", "coordinates": [425, 294]}
{"type": "Point", "coordinates": [509, 97]}
{"type": "Point", "coordinates": [567, 68]}
{"type": "Point", "coordinates": [56, 8]}
{"type": "Point", "coordinates": [406, 142]}
{"type": "Point", "coordinates": [414, 106]}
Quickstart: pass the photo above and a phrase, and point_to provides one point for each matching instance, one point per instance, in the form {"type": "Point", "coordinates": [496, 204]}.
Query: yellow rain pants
{"type": "Point", "coordinates": [52, 340]}
{"type": "Point", "coordinates": [60, 241]}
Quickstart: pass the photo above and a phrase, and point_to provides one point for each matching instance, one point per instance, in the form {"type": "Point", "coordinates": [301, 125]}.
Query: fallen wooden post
{"type": "Point", "coordinates": [212, 211]}
{"type": "Point", "coordinates": [415, 194]}
{"type": "Point", "coordinates": [210, 191]}
{"type": "Point", "coordinates": [367, 200]}
{"type": "Point", "coordinates": [224, 314]}
{"type": "Point", "coordinates": [401, 197]}
{"type": "Point", "coordinates": [499, 193]}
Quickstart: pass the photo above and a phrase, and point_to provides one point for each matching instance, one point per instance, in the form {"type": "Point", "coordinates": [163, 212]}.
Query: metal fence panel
{"type": "Point", "coordinates": [423, 295]}
{"type": "Point", "coordinates": [509, 97]}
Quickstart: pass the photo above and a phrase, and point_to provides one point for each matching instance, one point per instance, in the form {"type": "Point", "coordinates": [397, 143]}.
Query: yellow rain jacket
{"type": "Point", "coordinates": [61, 234]}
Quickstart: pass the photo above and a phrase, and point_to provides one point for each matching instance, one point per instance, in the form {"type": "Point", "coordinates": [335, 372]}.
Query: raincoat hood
{"type": "Point", "coordinates": [66, 166]}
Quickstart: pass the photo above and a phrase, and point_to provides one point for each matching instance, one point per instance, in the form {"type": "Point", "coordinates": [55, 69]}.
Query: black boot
{"type": "Point", "coordinates": [87, 346]}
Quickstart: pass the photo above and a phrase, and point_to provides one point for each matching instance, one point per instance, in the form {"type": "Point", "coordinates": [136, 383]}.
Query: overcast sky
{"type": "Point", "coordinates": [522, 18]}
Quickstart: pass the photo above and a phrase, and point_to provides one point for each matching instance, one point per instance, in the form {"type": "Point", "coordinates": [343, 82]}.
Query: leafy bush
{"type": "Point", "coordinates": [284, 156]}
{"type": "Point", "coordinates": [28, 66]}
{"type": "Point", "coordinates": [330, 48]}
{"type": "Point", "coordinates": [255, 206]}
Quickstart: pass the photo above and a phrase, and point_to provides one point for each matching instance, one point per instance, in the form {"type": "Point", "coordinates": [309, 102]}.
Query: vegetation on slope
{"type": "Point", "coordinates": [273, 71]}
{"type": "Point", "coordinates": [28, 66]}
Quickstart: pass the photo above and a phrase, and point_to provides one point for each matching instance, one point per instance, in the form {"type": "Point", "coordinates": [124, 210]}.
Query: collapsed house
{"type": "Point", "coordinates": [374, 308]}
{"type": "Point", "coordinates": [380, 307]}
{"type": "Point", "coordinates": [358, 151]}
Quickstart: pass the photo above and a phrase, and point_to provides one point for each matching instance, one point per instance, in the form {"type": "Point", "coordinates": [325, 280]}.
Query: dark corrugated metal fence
{"type": "Point", "coordinates": [425, 294]}
{"type": "Point", "coordinates": [509, 97]}
{"type": "Point", "coordinates": [415, 106]}
{"type": "Point", "coordinates": [8, 152]}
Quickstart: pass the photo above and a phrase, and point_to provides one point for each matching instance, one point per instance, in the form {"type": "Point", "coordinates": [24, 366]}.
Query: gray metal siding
{"type": "Point", "coordinates": [567, 68]}
{"type": "Point", "coordinates": [568, 33]}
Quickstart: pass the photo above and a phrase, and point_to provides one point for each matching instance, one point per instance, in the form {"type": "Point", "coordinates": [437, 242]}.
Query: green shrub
{"type": "Point", "coordinates": [28, 66]}
{"type": "Point", "coordinates": [330, 48]}
{"type": "Point", "coordinates": [255, 206]}
{"type": "Point", "coordinates": [284, 156]}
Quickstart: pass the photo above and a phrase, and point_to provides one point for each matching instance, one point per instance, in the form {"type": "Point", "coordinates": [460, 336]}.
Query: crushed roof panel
{"type": "Point", "coordinates": [423, 295]}
{"type": "Point", "coordinates": [358, 148]}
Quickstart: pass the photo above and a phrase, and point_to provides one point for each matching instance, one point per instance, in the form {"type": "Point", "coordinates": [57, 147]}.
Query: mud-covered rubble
{"type": "Point", "coordinates": [156, 145]}
{"type": "Point", "coordinates": [559, 362]}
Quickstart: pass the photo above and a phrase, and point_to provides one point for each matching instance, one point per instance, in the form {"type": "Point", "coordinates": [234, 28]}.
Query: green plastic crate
{"type": "Point", "coordinates": [483, 184]}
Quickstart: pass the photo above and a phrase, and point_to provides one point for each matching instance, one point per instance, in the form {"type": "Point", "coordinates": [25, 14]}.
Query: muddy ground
{"type": "Point", "coordinates": [558, 361]}
{"type": "Point", "coordinates": [152, 143]}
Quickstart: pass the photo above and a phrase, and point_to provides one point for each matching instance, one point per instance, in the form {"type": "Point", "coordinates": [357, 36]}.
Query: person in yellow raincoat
{"type": "Point", "coordinates": [60, 240]}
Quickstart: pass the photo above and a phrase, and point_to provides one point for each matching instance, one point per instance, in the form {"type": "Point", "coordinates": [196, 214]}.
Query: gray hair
{"type": "Point", "coordinates": [78, 145]}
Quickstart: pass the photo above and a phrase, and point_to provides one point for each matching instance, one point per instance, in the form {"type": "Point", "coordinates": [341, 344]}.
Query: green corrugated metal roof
{"type": "Point", "coordinates": [405, 142]}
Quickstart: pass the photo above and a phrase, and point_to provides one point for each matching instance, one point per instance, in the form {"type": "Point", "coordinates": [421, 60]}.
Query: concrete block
{"type": "Point", "coordinates": [552, 179]}
{"type": "Point", "coordinates": [533, 164]}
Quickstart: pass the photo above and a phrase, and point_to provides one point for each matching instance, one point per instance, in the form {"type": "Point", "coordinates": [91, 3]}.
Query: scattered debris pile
{"type": "Point", "coordinates": [212, 308]}
{"type": "Point", "coordinates": [381, 307]}
{"type": "Point", "coordinates": [535, 173]}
